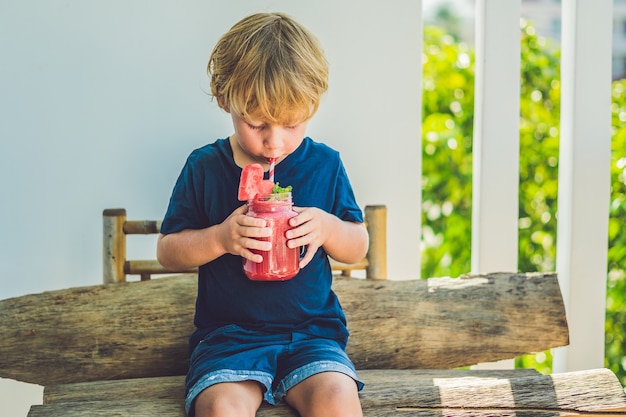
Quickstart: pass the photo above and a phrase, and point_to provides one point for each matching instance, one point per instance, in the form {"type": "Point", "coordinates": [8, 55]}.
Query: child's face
{"type": "Point", "coordinates": [262, 141]}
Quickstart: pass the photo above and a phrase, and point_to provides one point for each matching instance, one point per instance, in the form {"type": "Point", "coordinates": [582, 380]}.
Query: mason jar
{"type": "Point", "coordinates": [280, 263]}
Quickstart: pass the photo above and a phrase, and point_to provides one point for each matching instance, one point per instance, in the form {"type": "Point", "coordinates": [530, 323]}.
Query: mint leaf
{"type": "Point", "coordinates": [278, 189]}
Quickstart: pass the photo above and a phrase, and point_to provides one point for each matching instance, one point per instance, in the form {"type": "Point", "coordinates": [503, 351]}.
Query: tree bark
{"type": "Point", "coordinates": [140, 329]}
{"type": "Point", "coordinates": [423, 393]}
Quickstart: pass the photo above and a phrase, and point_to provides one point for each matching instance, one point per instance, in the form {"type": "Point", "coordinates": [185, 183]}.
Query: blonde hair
{"type": "Point", "coordinates": [269, 67]}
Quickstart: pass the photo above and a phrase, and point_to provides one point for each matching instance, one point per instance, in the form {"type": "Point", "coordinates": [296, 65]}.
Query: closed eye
{"type": "Point", "coordinates": [256, 127]}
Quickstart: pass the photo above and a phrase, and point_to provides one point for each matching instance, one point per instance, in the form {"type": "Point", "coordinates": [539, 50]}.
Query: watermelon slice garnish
{"type": "Point", "coordinates": [266, 187]}
{"type": "Point", "coordinates": [252, 183]}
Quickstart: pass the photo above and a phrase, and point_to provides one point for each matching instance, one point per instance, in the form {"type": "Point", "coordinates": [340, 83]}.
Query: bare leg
{"type": "Point", "coordinates": [230, 399]}
{"type": "Point", "coordinates": [327, 394]}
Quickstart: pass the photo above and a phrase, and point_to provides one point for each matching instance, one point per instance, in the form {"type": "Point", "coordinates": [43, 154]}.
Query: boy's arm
{"type": "Point", "coordinates": [347, 242]}
{"type": "Point", "coordinates": [191, 248]}
{"type": "Point", "coordinates": [188, 248]}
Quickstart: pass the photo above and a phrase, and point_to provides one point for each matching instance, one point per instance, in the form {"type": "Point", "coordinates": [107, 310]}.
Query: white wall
{"type": "Point", "coordinates": [101, 102]}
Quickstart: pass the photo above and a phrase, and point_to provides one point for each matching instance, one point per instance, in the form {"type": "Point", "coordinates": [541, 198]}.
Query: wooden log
{"type": "Point", "coordinates": [140, 329]}
{"type": "Point", "coordinates": [172, 387]}
{"type": "Point", "coordinates": [376, 218]}
{"type": "Point", "coordinates": [449, 323]}
{"type": "Point", "coordinates": [113, 245]}
{"type": "Point", "coordinates": [142, 227]}
{"type": "Point", "coordinates": [346, 269]}
{"type": "Point", "coordinates": [153, 267]}
{"type": "Point", "coordinates": [425, 393]}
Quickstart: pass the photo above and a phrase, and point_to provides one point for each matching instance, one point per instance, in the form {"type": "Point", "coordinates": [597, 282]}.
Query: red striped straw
{"type": "Point", "coordinates": [272, 163]}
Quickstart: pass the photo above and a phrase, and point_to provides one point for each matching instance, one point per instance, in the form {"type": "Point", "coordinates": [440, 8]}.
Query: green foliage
{"type": "Point", "coordinates": [447, 154]}
{"type": "Point", "coordinates": [447, 176]}
{"type": "Point", "coordinates": [539, 152]}
{"type": "Point", "coordinates": [448, 101]}
{"type": "Point", "coordinates": [616, 286]}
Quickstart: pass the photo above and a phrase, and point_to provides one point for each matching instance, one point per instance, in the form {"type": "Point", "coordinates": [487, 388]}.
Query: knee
{"type": "Point", "coordinates": [227, 400]}
{"type": "Point", "coordinates": [326, 394]}
{"type": "Point", "coordinates": [336, 390]}
{"type": "Point", "coordinates": [222, 407]}
{"type": "Point", "coordinates": [218, 407]}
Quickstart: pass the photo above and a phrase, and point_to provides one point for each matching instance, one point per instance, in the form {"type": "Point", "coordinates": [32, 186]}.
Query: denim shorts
{"type": "Point", "coordinates": [277, 361]}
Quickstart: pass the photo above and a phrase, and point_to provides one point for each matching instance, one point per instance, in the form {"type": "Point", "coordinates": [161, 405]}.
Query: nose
{"type": "Point", "coordinates": [274, 138]}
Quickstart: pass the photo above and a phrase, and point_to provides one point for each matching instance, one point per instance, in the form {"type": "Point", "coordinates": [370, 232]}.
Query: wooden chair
{"type": "Point", "coordinates": [116, 228]}
{"type": "Point", "coordinates": [120, 348]}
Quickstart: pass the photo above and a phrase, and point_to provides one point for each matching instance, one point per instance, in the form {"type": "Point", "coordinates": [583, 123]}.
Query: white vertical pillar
{"type": "Point", "coordinates": [584, 179]}
{"type": "Point", "coordinates": [496, 141]}
{"type": "Point", "coordinates": [496, 136]}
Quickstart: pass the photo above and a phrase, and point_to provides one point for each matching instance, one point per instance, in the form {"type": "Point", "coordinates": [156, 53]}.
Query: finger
{"type": "Point", "coordinates": [255, 232]}
{"type": "Point", "coordinates": [308, 255]}
{"type": "Point", "coordinates": [304, 215]}
{"type": "Point", "coordinates": [249, 221]}
{"type": "Point", "coordinates": [250, 243]}
{"type": "Point", "coordinates": [307, 258]}
{"type": "Point", "coordinates": [251, 256]}
{"type": "Point", "coordinates": [301, 231]}
{"type": "Point", "coordinates": [297, 242]}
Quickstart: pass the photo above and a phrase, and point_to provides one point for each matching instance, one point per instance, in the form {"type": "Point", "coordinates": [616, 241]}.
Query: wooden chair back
{"type": "Point", "coordinates": [116, 227]}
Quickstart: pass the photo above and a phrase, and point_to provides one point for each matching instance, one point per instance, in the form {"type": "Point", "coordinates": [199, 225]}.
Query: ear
{"type": "Point", "coordinates": [222, 103]}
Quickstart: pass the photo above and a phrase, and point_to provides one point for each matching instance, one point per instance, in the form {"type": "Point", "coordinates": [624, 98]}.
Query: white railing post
{"type": "Point", "coordinates": [496, 137]}
{"type": "Point", "coordinates": [584, 179]}
{"type": "Point", "coordinates": [496, 140]}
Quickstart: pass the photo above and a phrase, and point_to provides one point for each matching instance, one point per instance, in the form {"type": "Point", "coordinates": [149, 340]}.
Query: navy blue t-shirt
{"type": "Point", "coordinates": [205, 194]}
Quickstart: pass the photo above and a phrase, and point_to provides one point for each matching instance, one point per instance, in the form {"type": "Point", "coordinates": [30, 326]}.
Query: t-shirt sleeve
{"type": "Point", "coordinates": [184, 210]}
{"type": "Point", "coordinates": [346, 207]}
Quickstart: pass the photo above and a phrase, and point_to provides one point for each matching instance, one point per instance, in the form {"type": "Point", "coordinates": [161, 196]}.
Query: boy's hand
{"type": "Point", "coordinates": [238, 231]}
{"type": "Point", "coordinates": [310, 228]}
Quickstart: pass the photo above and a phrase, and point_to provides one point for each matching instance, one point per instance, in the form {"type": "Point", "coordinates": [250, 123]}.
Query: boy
{"type": "Point", "coordinates": [269, 341]}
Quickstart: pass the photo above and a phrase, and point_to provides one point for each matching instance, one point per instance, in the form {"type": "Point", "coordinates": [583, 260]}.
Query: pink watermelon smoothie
{"type": "Point", "coordinates": [281, 262]}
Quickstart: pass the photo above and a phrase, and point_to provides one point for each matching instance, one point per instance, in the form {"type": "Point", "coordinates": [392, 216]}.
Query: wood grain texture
{"type": "Point", "coordinates": [449, 323]}
{"type": "Point", "coordinates": [425, 393]}
{"type": "Point", "coordinates": [172, 387]}
{"type": "Point", "coordinates": [140, 329]}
